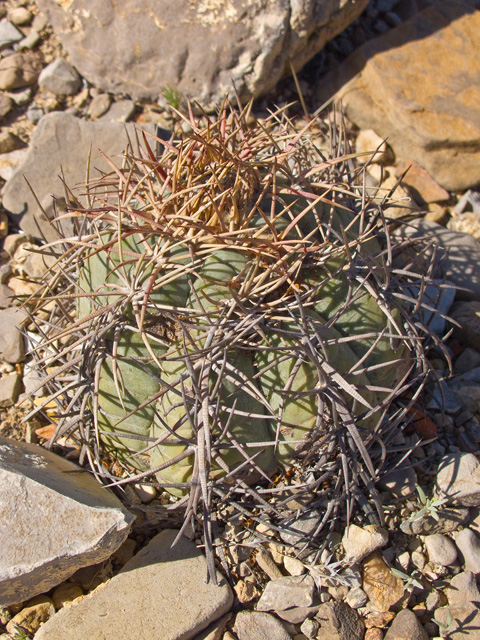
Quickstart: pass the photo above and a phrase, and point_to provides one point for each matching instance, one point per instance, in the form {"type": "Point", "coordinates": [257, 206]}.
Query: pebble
{"type": "Point", "coordinates": [448, 520]}
{"type": "Point", "coordinates": [266, 562]}
{"type": "Point", "coordinates": [34, 114]}
{"type": "Point", "coordinates": [298, 528]}
{"type": "Point", "coordinates": [463, 588]}
{"type": "Point", "coordinates": [12, 346]}
{"type": "Point", "coordinates": [6, 104]}
{"type": "Point", "coordinates": [9, 142]}
{"type": "Point", "coordinates": [10, 388]}
{"type": "Point", "coordinates": [246, 591]}
{"type": "Point", "coordinates": [66, 593]}
{"type": "Point", "coordinates": [287, 592]}
{"type": "Point", "coordinates": [338, 621]}
{"type": "Point", "coordinates": [8, 34]}
{"type": "Point", "coordinates": [310, 628]}
{"type": "Point", "coordinates": [469, 546]}
{"type": "Point", "coordinates": [421, 184]}
{"type": "Point", "coordinates": [406, 625]}
{"type": "Point", "coordinates": [458, 478]}
{"type": "Point", "coordinates": [6, 296]}
{"type": "Point", "coordinates": [374, 634]}
{"type": "Point", "coordinates": [441, 549]}
{"type": "Point", "coordinates": [60, 78]}
{"type": "Point", "coordinates": [29, 42]}
{"type": "Point", "coordinates": [120, 111]}
{"type": "Point", "coordinates": [37, 611]}
{"type": "Point", "coordinates": [433, 600]}
{"type": "Point", "coordinates": [356, 598]}
{"type": "Point", "coordinates": [19, 70]}
{"type": "Point", "coordinates": [293, 566]}
{"type": "Point", "coordinates": [418, 560]}
{"type": "Point", "coordinates": [19, 16]}
{"type": "Point", "coordinates": [359, 542]}
{"type": "Point", "coordinates": [253, 625]}
{"type": "Point", "coordinates": [467, 360]}
{"type": "Point", "coordinates": [99, 105]}
{"type": "Point", "coordinates": [369, 142]}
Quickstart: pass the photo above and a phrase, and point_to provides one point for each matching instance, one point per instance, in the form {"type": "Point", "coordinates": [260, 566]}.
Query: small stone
{"type": "Point", "coordinates": [246, 591]}
{"type": "Point", "coordinates": [360, 542]}
{"type": "Point", "coordinates": [403, 561]}
{"type": "Point", "coordinates": [34, 114]}
{"type": "Point", "coordinates": [8, 34]}
{"type": "Point", "coordinates": [420, 183]}
{"type": "Point", "coordinates": [467, 360]}
{"type": "Point", "coordinates": [266, 563]}
{"type": "Point", "coordinates": [12, 346]}
{"type": "Point", "coordinates": [374, 634]}
{"type": "Point", "coordinates": [297, 615]}
{"type": "Point", "coordinates": [433, 600]}
{"type": "Point", "coordinates": [37, 611]}
{"type": "Point", "coordinates": [19, 70]}
{"type": "Point", "coordinates": [448, 520]}
{"type": "Point", "coordinates": [66, 593]}
{"type": "Point", "coordinates": [381, 586]}
{"type": "Point", "coordinates": [30, 41]}
{"type": "Point", "coordinates": [469, 546]}
{"type": "Point", "coordinates": [380, 620]}
{"type": "Point", "coordinates": [125, 551]}
{"type": "Point", "coordinates": [19, 16]}
{"type": "Point", "coordinates": [253, 625]}
{"type": "Point", "coordinates": [120, 111]}
{"type": "Point", "coordinates": [6, 104]}
{"type": "Point", "coordinates": [356, 598]}
{"type": "Point", "coordinates": [458, 478]}
{"type": "Point", "coordinates": [60, 78]}
{"type": "Point", "coordinates": [99, 105]}
{"type": "Point", "coordinates": [338, 621]}
{"type": "Point", "coordinates": [297, 529]}
{"type": "Point", "coordinates": [286, 592]}
{"type": "Point", "coordinates": [293, 566]}
{"type": "Point", "coordinates": [441, 549]}
{"type": "Point", "coordinates": [400, 482]}
{"type": "Point", "coordinates": [145, 492]}
{"type": "Point", "coordinates": [310, 628]}
{"type": "Point", "coordinates": [406, 625]}
{"type": "Point", "coordinates": [367, 142]}
{"type": "Point", "coordinates": [9, 142]}
{"type": "Point", "coordinates": [6, 296]}
{"type": "Point", "coordinates": [338, 592]}
{"type": "Point", "coordinates": [10, 387]}
{"type": "Point", "coordinates": [463, 588]}
{"type": "Point", "coordinates": [418, 560]}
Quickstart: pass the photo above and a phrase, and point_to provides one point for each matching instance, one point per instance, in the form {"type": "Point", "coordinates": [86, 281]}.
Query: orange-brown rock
{"type": "Point", "coordinates": [419, 86]}
{"type": "Point", "coordinates": [381, 586]}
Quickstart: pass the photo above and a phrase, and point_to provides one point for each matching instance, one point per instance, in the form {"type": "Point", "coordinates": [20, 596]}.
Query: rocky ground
{"type": "Point", "coordinates": [415, 576]}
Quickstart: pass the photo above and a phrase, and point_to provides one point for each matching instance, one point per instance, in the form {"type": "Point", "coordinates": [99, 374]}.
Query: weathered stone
{"type": "Point", "coordinates": [462, 620]}
{"type": "Point", "coordinates": [9, 142]}
{"type": "Point", "coordinates": [12, 346]}
{"type": "Point", "coordinates": [356, 598]}
{"type": "Point", "coordinates": [458, 478]}
{"type": "Point", "coordinates": [286, 592]}
{"type": "Point", "coordinates": [368, 142]}
{"type": "Point", "coordinates": [8, 34]}
{"type": "Point", "coordinates": [338, 621]}
{"type": "Point", "coordinates": [463, 588]}
{"type": "Point", "coordinates": [265, 561]}
{"type": "Point", "coordinates": [381, 586]}
{"type": "Point", "coordinates": [6, 105]}
{"type": "Point", "coordinates": [5, 296]}
{"type": "Point", "coordinates": [11, 161]}
{"type": "Point", "coordinates": [62, 517]}
{"type": "Point", "coordinates": [469, 546]}
{"type": "Point", "coordinates": [197, 47]}
{"type": "Point", "coordinates": [60, 78]}
{"type": "Point", "coordinates": [49, 157]}
{"type": "Point", "coordinates": [65, 594]}
{"type": "Point", "coordinates": [467, 360]}
{"type": "Point", "coordinates": [19, 16]}
{"type": "Point", "coordinates": [297, 529]}
{"type": "Point", "coordinates": [19, 70]}
{"type": "Point", "coordinates": [253, 625]}
{"type": "Point", "coordinates": [399, 482]}
{"type": "Point", "coordinates": [120, 111]}
{"type": "Point", "coordinates": [418, 87]}
{"type": "Point", "coordinates": [467, 314]}
{"type": "Point", "coordinates": [297, 615]}
{"type": "Point", "coordinates": [406, 626]}
{"type": "Point", "coordinates": [246, 591]}
{"type": "Point", "coordinates": [448, 520]}
{"type": "Point", "coordinates": [163, 586]}
{"type": "Point", "coordinates": [360, 542]}
{"type": "Point", "coordinates": [293, 566]}
{"type": "Point", "coordinates": [465, 386]}
{"type": "Point", "coordinates": [441, 549]}
{"type": "Point", "coordinates": [99, 105]}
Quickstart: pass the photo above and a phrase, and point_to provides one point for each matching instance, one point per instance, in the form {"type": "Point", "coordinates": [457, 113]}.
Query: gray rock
{"type": "Point", "coordinates": [360, 542]}
{"type": "Point", "coordinates": [30, 41]}
{"type": "Point", "coordinates": [6, 104]}
{"type": "Point", "coordinates": [463, 588]}
{"type": "Point", "coordinates": [12, 344]}
{"type": "Point", "coordinates": [62, 519]}
{"type": "Point", "coordinates": [48, 157]}
{"type": "Point", "coordinates": [10, 387]}
{"type": "Point", "coordinates": [99, 105]}
{"type": "Point", "coordinates": [19, 70]}
{"type": "Point", "coordinates": [297, 615]}
{"type": "Point", "coordinates": [5, 296]}
{"type": "Point", "coordinates": [197, 47]}
{"type": "Point", "coordinates": [162, 587]}
{"type": "Point", "coordinates": [469, 546]}
{"type": "Point", "coordinates": [467, 360]}
{"type": "Point", "coordinates": [338, 621]}
{"type": "Point", "coordinates": [19, 16]}
{"type": "Point", "coordinates": [11, 161]}
{"type": "Point", "coordinates": [252, 625]}
{"type": "Point", "coordinates": [287, 592]}
{"type": "Point", "coordinates": [356, 598]}
{"type": "Point", "coordinates": [441, 549]}
{"type": "Point", "coordinates": [462, 620]}
{"type": "Point", "coordinates": [265, 561]}
{"type": "Point", "coordinates": [406, 625]}
{"type": "Point", "coordinates": [399, 482]}
{"type": "Point", "coordinates": [60, 78]}
{"type": "Point", "coordinates": [448, 520]}
{"type": "Point", "coordinates": [297, 529]}
{"type": "Point", "coordinates": [465, 386]}
{"type": "Point", "coordinates": [8, 34]}
{"type": "Point", "coordinates": [458, 479]}
{"type": "Point", "coordinates": [34, 114]}
{"type": "Point", "coordinates": [467, 314]}
{"type": "Point", "coordinates": [120, 111]}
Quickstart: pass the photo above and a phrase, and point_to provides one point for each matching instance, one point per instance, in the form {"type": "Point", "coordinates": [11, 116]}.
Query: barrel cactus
{"type": "Point", "coordinates": [230, 313]}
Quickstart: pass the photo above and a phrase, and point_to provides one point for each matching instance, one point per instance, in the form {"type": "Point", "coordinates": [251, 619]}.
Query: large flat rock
{"type": "Point", "coordinates": [419, 86]}
{"type": "Point", "coordinates": [200, 47]}
{"type": "Point", "coordinates": [54, 519]}
{"type": "Point", "coordinates": [59, 148]}
{"type": "Point", "coordinates": [160, 593]}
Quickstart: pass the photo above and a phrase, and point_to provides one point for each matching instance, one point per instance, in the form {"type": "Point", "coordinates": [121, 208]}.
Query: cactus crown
{"type": "Point", "coordinates": [228, 311]}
